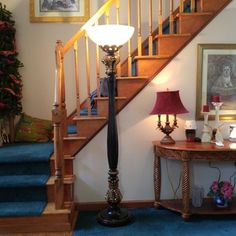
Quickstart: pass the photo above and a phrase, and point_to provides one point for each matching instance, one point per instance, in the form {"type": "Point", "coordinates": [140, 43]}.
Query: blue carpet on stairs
{"type": "Point", "coordinates": [24, 172]}
{"type": "Point", "coordinates": [8, 209]}
{"type": "Point", "coordinates": [154, 222]}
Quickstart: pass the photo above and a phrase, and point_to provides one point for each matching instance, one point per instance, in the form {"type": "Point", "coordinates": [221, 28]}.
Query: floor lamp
{"type": "Point", "coordinates": [110, 38]}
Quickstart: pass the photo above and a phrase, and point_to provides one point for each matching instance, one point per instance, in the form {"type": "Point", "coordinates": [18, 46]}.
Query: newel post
{"type": "Point", "coordinates": [58, 120]}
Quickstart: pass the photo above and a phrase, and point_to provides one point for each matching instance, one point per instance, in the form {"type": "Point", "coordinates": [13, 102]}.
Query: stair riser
{"type": "Point", "coordinates": [170, 45]}
{"type": "Point", "coordinates": [71, 147]}
{"type": "Point", "coordinates": [24, 228]}
{"type": "Point", "coordinates": [150, 67]}
{"type": "Point", "coordinates": [89, 127]}
{"type": "Point", "coordinates": [128, 88]}
{"type": "Point", "coordinates": [68, 167]}
{"type": "Point", "coordinates": [68, 193]}
{"type": "Point", "coordinates": [210, 5]}
{"type": "Point", "coordinates": [102, 106]}
{"type": "Point", "coordinates": [192, 23]}
{"type": "Point", "coordinates": [24, 168]}
{"type": "Point", "coordinates": [56, 221]}
{"type": "Point", "coordinates": [23, 194]}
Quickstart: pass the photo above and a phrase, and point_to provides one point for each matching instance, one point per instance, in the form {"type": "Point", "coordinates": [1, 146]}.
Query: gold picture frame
{"type": "Point", "coordinates": [216, 76]}
{"type": "Point", "coordinates": [59, 10]}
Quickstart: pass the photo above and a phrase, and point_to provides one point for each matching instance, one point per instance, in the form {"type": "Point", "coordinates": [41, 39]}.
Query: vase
{"type": "Point", "coordinates": [220, 202]}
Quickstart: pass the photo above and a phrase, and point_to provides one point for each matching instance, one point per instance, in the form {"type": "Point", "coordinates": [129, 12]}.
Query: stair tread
{"type": "Point", "coordinates": [106, 98]}
{"type": "Point", "coordinates": [50, 209]}
{"type": "Point", "coordinates": [147, 57]}
{"type": "Point", "coordinates": [22, 152]}
{"type": "Point", "coordinates": [68, 157]}
{"type": "Point", "coordinates": [132, 78]}
{"type": "Point", "coordinates": [29, 209]}
{"type": "Point", "coordinates": [13, 209]}
{"type": "Point", "coordinates": [74, 137]}
{"type": "Point", "coordinates": [23, 181]}
{"type": "Point", "coordinates": [196, 13]}
{"type": "Point", "coordinates": [90, 118]}
{"type": "Point", "coordinates": [67, 179]}
{"type": "Point", "coordinates": [171, 35]}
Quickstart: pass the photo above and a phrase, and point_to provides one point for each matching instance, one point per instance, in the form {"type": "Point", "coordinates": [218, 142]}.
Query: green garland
{"type": "Point", "coordinates": [10, 79]}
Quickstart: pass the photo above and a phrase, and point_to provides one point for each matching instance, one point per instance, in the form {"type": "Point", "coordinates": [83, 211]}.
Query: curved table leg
{"type": "Point", "coordinates": [157, 180]}
{"type": "Point", "coordinates": [186, 190]}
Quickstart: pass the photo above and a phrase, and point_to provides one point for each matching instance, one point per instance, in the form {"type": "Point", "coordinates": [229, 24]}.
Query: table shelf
{"type": "Point", "coordinates": [207, 208]}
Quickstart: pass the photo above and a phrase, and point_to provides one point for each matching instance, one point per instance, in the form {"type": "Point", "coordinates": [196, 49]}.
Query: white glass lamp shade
{"type": "Point", "coordinates": [110, 35]}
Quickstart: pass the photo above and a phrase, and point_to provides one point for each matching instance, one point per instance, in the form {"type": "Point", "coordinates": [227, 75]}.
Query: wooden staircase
{"type": "Point", "coordinates": [60, 215]}
{"type": "Point", "coordinates": [148, 66]}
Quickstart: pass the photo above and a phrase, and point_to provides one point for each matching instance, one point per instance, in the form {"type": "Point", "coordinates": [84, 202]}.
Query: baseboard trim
{"type": "Point", "coordinates": [93, 206]}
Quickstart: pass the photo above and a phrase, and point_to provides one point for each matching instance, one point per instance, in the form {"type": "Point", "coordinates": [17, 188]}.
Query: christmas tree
{"type": "Point", "coordinates": [10, 79]}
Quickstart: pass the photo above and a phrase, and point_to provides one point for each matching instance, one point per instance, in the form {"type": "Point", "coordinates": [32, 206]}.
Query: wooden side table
{"type": "Point", "coordinates": [185, 152]}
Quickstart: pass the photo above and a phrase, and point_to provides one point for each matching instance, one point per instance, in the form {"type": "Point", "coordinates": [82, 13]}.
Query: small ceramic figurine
{"type": "Point", "coordinates": [206, 137]}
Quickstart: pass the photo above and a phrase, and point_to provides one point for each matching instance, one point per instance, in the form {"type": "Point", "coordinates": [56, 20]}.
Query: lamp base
{"type": "Point", "coordinates": [114, 217]}
{"type": "Point", "coordinates": [167, 140]}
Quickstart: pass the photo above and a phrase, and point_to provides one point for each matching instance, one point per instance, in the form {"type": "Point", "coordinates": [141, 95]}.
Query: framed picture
{"type": "Point", "coordinates": [59, 10]}
{"type": "Point", "coordinates": [216, 77]}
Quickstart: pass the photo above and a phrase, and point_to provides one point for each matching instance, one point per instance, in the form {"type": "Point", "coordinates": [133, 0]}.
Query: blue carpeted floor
{"type": "Point", "coordinates": [153, 222]}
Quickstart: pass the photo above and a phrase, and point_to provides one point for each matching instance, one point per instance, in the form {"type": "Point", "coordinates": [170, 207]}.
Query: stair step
{"type": "Point", "coordinates": [24, 168]}
{"type": "Point", "coordinates": [84, 118]}
{"type": "Point", "coordinates": [194, 14]}
{"type": "Point", "coordinates": [130, 86]}
{"type": "Point", "coordinates": [67, 179]}
{"type": "Point", "coordinates": [68, 165]}
{"type": "Point", "coordinates": [171, 35]}
{"type": "Point", "coordinates": [22, 152]}
{"type": "Point", "coordinates": [106, 98]}
{"type": "Point", "coordinates": [193, 22]}
{"type": "Point", "coordinates": [102, 104]}
{"type": "Point", "coordinates": [171, 44]}
{"type": "Point", "coordinates": [146, 57]}
{"type": "Point", "coordinates": [17, 181]}
{"type": "Point", "coordinates": [74, 137]}
{"type": "Point", "coordinates": [13, 209]}
{"type": "Point", "coordinates": [132, 78]}
{"type": "Point", "coordinates": [68, 189]}
{"type": "Point", "coordinates": [51, 220]}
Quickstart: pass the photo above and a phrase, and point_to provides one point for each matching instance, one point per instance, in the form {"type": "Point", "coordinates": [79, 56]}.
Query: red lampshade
{"type": "Point", "coordinates": [168, 103]}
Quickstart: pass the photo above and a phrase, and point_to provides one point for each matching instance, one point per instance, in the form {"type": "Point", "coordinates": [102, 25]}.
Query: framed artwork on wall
{"type": "Point", "coordinates": [216, 77]}
{"type": "Point", "coordinates": [59, 10]}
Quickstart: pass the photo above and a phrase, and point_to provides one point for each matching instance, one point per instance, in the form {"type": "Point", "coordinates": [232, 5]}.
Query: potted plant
{"type": "Point", "coordinates": [10, 79]}
{"type": "Point", "coordinates": [222, 193]}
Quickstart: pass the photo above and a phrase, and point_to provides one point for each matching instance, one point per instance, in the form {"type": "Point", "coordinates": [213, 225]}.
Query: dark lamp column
{"type": "Point", "coordinates": [110, 38]}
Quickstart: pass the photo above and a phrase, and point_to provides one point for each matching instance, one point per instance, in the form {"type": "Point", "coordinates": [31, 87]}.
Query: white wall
{"type": "Point", "coordinates": [137, 130]}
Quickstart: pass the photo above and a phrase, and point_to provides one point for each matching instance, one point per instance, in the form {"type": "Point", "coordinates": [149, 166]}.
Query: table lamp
{"type": "Point", "coordinates": [110, 38]}
{"type": "Point", "coordinates": [168, 103]}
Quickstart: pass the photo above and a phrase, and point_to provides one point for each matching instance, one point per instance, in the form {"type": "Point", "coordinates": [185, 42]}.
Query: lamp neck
{"type": "Point", "coordinates": [110, 61]}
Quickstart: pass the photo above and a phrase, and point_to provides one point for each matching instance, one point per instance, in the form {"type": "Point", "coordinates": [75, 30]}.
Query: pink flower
{"type": "Point", "coordinates": [214, 186]}
{"type": "Point", "coordinates": [222, 189]}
